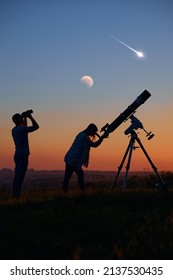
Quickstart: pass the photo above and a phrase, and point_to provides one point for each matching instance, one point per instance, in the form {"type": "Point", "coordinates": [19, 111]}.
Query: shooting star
{"type": "Point", "coordinates": [139, 54]}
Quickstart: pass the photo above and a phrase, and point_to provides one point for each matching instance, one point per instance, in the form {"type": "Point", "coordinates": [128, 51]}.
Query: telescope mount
{"type": "Point", "coordinates": [130, 148]}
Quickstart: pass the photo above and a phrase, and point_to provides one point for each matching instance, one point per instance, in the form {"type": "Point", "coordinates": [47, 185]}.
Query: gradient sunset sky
{"type": "Point", "coordinates": [46, 46]}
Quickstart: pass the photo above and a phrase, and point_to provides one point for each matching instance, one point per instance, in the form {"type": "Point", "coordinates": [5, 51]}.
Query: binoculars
{"type": "Point", "coordinates": [26, 113]}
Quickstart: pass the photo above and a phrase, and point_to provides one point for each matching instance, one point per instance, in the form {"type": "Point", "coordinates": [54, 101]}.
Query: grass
{"type": "Point", "coordinates": [46, 224]}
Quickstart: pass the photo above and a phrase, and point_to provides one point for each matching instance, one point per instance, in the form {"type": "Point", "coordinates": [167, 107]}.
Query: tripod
{"type": "Point", "coordinates": [128, 152]}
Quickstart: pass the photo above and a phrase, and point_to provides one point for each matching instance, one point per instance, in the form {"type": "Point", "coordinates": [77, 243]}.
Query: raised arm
{"type": "Point", "coordinates": [34, 126]}
{"type": "Point", "coordinates": [96, 143]}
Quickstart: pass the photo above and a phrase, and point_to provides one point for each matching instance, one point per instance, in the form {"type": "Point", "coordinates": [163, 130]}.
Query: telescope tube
{"type": "Point", "coordinates": [124, 115]}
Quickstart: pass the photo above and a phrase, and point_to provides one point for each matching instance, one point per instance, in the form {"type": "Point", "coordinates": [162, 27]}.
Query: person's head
{"type": "Point", "coordinates": [17, 119]}
{"type": "Point", "coordinates": [91, 129]}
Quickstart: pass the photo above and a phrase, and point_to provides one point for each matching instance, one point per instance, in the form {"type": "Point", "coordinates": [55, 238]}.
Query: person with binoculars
{"type": "Point", "coordinates": [21, 155]}
{"type": "Point", "coordinates": [78, 155]}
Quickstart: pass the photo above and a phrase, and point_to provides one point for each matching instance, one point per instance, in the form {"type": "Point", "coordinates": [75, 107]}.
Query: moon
{"type": "Point", "coordinates": [87, 80]}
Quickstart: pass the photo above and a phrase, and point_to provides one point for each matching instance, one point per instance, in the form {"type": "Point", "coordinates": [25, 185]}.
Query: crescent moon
{"type": "Point", "coordinates": [87, 80]}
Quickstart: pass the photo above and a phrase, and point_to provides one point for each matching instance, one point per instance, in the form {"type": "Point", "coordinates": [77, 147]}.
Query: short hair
{"type": "Point", "coordinates": [17, 118]}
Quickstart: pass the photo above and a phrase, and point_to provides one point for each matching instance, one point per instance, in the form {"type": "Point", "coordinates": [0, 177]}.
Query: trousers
{"type": "Point", "coordinates": [21, 165]}
{"type": "Point", "coordinates": [68, 173]}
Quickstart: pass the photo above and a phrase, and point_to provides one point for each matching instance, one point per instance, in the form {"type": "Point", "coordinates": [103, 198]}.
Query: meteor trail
{"type": "Point", "coordinates": [140, 54]}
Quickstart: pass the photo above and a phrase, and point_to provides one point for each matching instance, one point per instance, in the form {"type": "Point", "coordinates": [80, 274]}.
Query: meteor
{"type": "Point", "coordinates": [139, 54]}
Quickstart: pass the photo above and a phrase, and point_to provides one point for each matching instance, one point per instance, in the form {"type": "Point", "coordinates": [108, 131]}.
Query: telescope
{"type": "Point", "coordinates": [108, 128]}
{"type": "Point", "coordinates": [135, 124]}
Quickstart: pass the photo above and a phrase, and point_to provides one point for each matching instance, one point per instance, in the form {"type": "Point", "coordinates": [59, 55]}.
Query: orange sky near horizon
{"type": "Point", "coordinates": [49, 144]}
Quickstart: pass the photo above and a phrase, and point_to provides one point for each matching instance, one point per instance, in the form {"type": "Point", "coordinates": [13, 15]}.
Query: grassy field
{"type": "Point", "coordinates": [45, 224]}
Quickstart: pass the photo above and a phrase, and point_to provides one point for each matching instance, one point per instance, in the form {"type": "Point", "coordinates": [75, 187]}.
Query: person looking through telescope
{"type": "Point", "coordinates": [78, 155]}
{"type": "Point", "coordinates": [20, 137]}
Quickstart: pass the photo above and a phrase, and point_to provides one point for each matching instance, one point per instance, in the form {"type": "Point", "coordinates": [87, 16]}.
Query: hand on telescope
{"type": "Point", "coordinates": [105, 135]}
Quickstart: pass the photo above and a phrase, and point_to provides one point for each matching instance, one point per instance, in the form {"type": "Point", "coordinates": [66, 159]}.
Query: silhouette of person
{"type": "Point", "coordinates": [21, 155]}
{"type": "Point", "coordinates": [78, 155]}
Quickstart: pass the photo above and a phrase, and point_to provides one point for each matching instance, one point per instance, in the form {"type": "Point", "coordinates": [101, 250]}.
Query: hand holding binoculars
{"type": "Point", "coordinates": [27, 113]}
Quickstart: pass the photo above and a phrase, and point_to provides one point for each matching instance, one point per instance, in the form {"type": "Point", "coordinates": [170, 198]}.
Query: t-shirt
{"type": "Point", "coordinates": [20, 137]}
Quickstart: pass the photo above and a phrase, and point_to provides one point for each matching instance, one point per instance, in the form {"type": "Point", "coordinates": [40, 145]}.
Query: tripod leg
{"type": "Point", "coordinates": [152, 164]}
{"type": "Point", "coordinates": [122, 162]}
{"type": "Point", "coordinates": [128, 164]}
